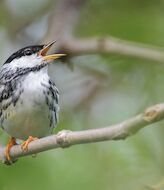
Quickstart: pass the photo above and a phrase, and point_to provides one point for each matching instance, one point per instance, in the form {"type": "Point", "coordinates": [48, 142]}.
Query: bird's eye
{"type": "Point", "coordinates": [28, 52]}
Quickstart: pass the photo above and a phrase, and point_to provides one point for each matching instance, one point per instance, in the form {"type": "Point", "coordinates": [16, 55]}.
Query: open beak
{"type": "Point", "coordinates": [44, 51]}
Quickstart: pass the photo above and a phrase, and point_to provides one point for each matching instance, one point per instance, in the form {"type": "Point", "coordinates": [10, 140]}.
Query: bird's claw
{"type": "Point", "coordinates": [25, 144]}
{"type": "Point", "coordinates": [10, 144]}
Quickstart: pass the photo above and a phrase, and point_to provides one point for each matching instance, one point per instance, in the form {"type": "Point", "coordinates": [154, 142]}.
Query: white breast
{"type": "Point", "coordinates": [30, 116]}
{"type": "Point", "coordinates": [33, 88]}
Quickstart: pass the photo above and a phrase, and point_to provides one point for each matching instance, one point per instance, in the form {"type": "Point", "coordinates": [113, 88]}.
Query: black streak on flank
{"type": "Point", "coordinates": [26, 51]}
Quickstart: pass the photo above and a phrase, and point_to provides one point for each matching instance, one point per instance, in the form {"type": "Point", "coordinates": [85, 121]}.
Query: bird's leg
{"type": "Point", "coordinates": [10, 144]}
{"type": "Point", "coordinates": [25, 144]}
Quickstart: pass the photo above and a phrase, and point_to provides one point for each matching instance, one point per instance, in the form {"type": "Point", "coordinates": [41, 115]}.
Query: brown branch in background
{"type": "Point", "coordinates": [67, 138]}
{"type": "Point", "coordinates": [63, 22]}
{"type": "Point", "coordinates": [111, 45]}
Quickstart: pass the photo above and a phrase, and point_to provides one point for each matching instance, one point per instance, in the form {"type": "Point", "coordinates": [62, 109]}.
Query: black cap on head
{"type": "Point", "coordinates": [26, 51]}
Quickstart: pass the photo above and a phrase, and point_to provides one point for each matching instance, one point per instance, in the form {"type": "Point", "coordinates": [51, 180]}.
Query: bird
{"type": "Point", "coordinates": [29, 99]}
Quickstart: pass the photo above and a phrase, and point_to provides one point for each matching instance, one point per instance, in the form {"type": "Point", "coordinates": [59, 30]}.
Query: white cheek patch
{"type": "Point", "coordinates": [27, 61]}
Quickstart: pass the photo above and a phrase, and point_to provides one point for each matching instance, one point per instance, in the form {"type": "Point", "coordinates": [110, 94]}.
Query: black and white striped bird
{"type": "Point", "coordinates": [28, 97]}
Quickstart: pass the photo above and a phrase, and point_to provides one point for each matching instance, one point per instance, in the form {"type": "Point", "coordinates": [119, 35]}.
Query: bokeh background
{"type": "Point", "coordinates": [96, 90]}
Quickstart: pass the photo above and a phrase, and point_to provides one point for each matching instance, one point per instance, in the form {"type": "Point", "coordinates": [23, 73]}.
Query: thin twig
{"type": "Point", "coordinates": [67, 138]}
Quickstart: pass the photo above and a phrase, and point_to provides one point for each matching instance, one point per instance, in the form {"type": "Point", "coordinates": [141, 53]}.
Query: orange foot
{"type": "Point", "coordinates": [25, 144]}
{"type": "Point", "coordinates": [10, 144]}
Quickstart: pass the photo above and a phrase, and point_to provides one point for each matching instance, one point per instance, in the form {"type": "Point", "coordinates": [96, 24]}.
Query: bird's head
{"type": "Point", "coordinates": [32, 57]}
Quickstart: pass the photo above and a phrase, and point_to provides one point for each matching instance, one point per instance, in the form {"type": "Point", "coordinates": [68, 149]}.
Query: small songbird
{"type": "Point", "coordinates": [28, 97]}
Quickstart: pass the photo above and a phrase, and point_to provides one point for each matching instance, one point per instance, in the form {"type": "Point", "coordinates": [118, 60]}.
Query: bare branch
{"type": "Point", "coordinates": [67, 138]}
{"type": "Point", "coordinates": [111, 45]}
{"type": "Point", "coordinates": [63, 22]}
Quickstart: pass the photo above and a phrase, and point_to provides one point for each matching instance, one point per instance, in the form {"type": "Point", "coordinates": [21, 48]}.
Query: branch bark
{"type": "Point", "coordinates": [67, 138]}
{"type": "Point", "coordinates": [111, 45]}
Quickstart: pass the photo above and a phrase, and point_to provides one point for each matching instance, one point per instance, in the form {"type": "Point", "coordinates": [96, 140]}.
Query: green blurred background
{"type": "Point", "coordinates": [99, 91]}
